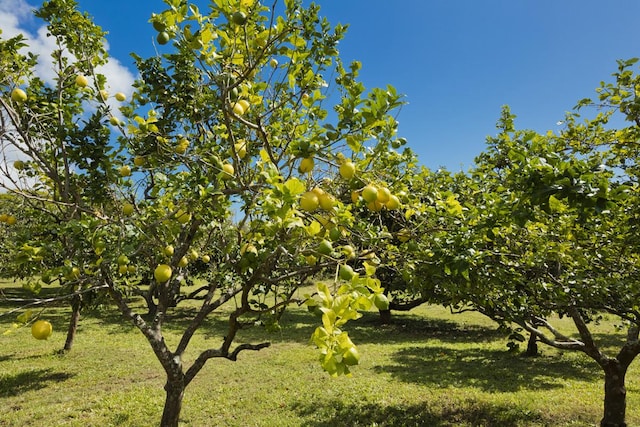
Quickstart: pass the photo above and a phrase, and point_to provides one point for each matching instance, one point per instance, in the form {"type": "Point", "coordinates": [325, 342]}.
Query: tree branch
{"type": "Point", "coordinates": [211, 353]}
{"type": "Point", "coordinates": [590, 346]}
{"type": "Point", "coordinates": [36, 302]}
{"type": "Point", "coordinates": [559, 341]}
{"type": "Point", "coordinates": [629, 351]}
{"type": "Point", "coordinates": [153, 335]}
{"type": "Point", "coordinates": [205, 310]}
{"type": "Point", "coordinates": [194, 294]}
{"type": "Point", "coordinates": [407, 305]}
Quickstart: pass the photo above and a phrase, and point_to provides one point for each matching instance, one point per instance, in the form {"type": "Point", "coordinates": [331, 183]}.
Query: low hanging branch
{"type": "Point", "coordinates": [559, 340]}
{"type": "Point", "coordinates": [409, 305]}
{"type": "Point", "coordinates": [30, 302]}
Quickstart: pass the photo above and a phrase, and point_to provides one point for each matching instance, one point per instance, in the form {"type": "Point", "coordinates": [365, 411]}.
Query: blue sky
{"type": "Point", "coordinates": [457, 61]}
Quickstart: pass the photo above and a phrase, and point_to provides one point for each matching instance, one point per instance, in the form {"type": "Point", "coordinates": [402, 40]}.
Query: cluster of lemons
{"type": "Point", "coordinates": [375, 196]}
{"type": "Point", "coordinates": [8, 219]}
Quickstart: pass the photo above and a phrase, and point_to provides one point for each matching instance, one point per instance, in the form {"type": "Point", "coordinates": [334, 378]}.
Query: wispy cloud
{"type": "Point", "coordinates": [12, 13]}
{"type": "Point", "coordinates": [16, 17]}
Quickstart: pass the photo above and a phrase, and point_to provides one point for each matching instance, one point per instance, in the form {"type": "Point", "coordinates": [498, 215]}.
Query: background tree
{"type": "Point", "coordinates": [56, 152]}
{"type": "Point", "coordinates": [432, 213]}
{"type": "Point", "coordinates": [547, 232]}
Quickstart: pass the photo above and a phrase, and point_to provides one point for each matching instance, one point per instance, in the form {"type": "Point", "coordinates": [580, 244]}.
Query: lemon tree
{"type": "Point", "coordinates": [549, 231]}
{"type": "Point", "coordinates": [63, 180]}
{"type": "Point", "coordinates": [200, 176]}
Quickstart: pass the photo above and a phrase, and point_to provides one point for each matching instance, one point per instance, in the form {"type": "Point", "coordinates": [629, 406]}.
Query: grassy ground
{"type": "Point", "coordinates": [429, 368]}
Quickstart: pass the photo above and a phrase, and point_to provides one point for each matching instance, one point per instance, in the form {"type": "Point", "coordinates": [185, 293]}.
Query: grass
{"type": "Point", "coordinates": [429, 368]}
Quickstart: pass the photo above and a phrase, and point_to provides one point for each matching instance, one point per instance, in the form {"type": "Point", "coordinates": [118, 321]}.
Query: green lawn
{"type": "Point", "coordinates": [429, 368]}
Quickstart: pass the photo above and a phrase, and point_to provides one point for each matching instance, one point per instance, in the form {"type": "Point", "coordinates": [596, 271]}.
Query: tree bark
{"type": "Point", "coordinates": [532, 346]}
{"type": "Point", "coordinates": [76, 306]}
{"type": "Point", "coordinates": [615, 395]}
{"type": "Point", "coordinates": [385, 317]}
{"type": "Point", "coordinates": [173, 403]}
{"type": "Point", "coordinates": [148, 294]}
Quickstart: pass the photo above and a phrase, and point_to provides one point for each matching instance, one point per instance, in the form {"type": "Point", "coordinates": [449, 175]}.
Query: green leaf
{"type": "Point", "coordinates": [25, 317]}
{"type": "Point", "coordinates": [294, 186]}
{"type": "Point", "coordinates": [556, 205]}
{"type": "Point", "coordinates": [313, 228]}
{"type": "Point", "coordinates": [369, 269]}
{"type": "Point", "coordinates": [328, 319]}
{"type": "Point", "coordinates": [453, 206]}
{"type": "Point", "coordinates": [325, 294]}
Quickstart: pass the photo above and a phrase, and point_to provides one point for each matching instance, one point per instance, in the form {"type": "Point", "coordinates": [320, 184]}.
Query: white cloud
{"type": "Point", "coordinates": [16, 17]}
{"type": "Point", "coordinates": [12, 12]}
{"type": "Point", "coordinates": [10, 177]}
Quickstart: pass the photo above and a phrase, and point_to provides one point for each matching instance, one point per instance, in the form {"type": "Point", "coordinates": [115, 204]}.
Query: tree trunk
{"type": "Point", "coordinates": [385, 317]}
{"type": "Point", "coordinates": [172, 403]}
{"type": "Point", "coordinates": [532, 346]}
{"type": "Point", "coordinates": [615, 395]}
{"type": "Point", "coordinates": [148, 296]}
{"type": "Point", "coordinates": [152, 307]}
{"type": "Point", "coordinates": [76, 306]}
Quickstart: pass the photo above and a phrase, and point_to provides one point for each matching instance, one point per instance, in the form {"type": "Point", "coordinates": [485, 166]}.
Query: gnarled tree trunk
{"type": "Point", "coordinates": [615, 368]}
{"type": "Point", "coordinates": [615, 394]}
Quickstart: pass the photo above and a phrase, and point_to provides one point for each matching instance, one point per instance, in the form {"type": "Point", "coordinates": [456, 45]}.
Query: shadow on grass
{"type": "Point", "coordinates": [489, 370]}
{"type": "Point", "coordinates": [21, 382]}
{"type": "Point", "coordinates": [337, 414]}
{"type": "Point", "coordinates": [412, 328]}
{"type": "Point", "coordinates": [297, 325]}
{"type": "Point", "coordinates": [493, 370]}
